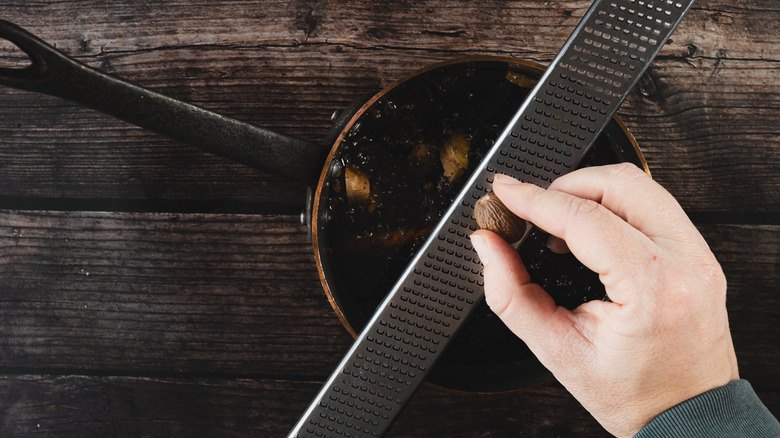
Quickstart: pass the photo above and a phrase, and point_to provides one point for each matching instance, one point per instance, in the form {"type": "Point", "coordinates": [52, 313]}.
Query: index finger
{"type": "Point", "coordinates": [632, 195]}
{"type": "Point", "coordinates": [599, 238]}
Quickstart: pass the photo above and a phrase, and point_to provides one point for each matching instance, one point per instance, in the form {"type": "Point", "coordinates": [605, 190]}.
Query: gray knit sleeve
{"type": "Point", "coordinates": [733, 410]}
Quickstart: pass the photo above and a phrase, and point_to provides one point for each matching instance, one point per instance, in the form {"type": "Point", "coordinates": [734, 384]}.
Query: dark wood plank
{"type": "Point", "coordinates": [162, 294]}
{"type": "Point", "coordinates": [705, 115]}
{"type": "Point", "coordinates": [131, 323]}
{"type": "Point", "coordinates": [711, 139]}
{"type": "Point", "coordinates": [750, 256]}
{"type": "Point", "coordinates": [125, 406]}
{"type": "Point", "coordinates": [534, 26]}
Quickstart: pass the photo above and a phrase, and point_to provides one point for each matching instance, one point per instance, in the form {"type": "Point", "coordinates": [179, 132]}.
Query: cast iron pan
{"type": "Point", "coordinates": [390, 167]}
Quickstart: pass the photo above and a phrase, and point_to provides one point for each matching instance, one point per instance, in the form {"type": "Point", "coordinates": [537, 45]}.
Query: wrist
{"type": "Point", "coordinates": [733, 409]}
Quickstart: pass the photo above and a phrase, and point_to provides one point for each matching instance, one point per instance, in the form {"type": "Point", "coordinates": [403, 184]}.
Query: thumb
{"type": "Point", "coordinates": [526, 309]}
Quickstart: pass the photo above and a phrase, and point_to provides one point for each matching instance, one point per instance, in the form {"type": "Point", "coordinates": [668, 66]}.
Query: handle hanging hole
{"type": "Point", "coordinates": [12, 57]}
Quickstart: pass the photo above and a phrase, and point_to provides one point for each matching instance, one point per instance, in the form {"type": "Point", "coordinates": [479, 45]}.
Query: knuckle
{"type": "Point", "coordinates": [579, 208]}
{"type": "Point", "coordinates": [690, 287]}
{"type": "Point", "coordinates": [713, 275]}
{"type": "Point", "coordinates": [627, 171]}
{"type": "Point", "coordinates": [497, 301]}
{"type": "Point", "coordinates": [501, 303]}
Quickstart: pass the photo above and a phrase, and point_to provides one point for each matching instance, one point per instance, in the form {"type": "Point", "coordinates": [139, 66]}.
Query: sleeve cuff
{"type": "Point", "coordinates": [733, 410]}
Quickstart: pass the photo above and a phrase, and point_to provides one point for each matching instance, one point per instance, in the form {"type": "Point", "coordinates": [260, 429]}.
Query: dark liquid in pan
{"type": "Point", "coordinates": [401, 159]}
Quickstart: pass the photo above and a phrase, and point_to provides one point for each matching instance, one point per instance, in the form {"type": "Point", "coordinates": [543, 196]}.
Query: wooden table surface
{"type": "Point", "coordinates": [151, 289]}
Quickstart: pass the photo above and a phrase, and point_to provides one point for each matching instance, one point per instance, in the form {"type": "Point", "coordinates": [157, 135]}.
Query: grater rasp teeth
{"type": "Point", "coordinates": [576, 97]}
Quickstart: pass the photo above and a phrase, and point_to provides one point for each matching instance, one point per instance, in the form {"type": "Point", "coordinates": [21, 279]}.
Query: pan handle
{"type": "Point", "coordinates": [54, 73]}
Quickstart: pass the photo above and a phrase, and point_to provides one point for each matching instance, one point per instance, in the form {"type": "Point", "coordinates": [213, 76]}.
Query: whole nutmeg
{"type": "Point", "coordinates": [491, 214]}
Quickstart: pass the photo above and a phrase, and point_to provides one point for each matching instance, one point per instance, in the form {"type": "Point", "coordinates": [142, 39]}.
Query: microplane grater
{"type": "Point", "coordinates": [587, 81]}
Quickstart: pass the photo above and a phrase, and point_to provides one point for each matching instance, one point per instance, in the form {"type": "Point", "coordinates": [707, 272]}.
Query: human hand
{"type": "Point", "coordinates": [663, 339]}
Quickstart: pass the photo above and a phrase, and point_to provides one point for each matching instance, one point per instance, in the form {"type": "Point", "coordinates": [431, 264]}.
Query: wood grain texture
{"type": "Point", "coordinates": [710, 101]}
{"type": "Point", "coordinates": [87, 406]}
{"type": "Point", "coordinates": [237, 297]}
{"type": "Point", "coordinates": [144, 289]}
{"type": "Point", "coordinates": [79, 406]}
{"type": "Point", "coordinates": [164, 294]}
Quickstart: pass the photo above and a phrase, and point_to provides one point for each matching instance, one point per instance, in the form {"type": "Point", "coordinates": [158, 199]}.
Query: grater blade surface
{"type": "Point", "coordinates": [609, 50]}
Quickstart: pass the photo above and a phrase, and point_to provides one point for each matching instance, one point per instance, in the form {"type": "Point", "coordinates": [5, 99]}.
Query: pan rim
{"type": "Point", "coordinates": [320, 253]}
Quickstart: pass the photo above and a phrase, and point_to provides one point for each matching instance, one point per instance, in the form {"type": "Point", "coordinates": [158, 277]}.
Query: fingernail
{"type": "Point", "coordinates": [479, 244]}
{"type": "Point", "coordinates": [505, 179]}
